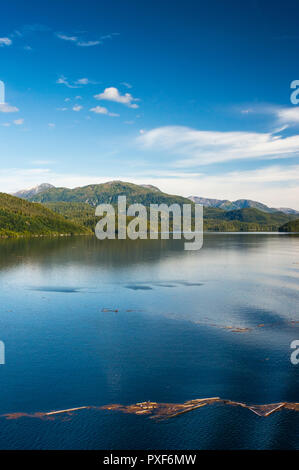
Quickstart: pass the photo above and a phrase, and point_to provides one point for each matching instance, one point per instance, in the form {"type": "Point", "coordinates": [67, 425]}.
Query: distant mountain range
{"type": "Point", "coordinates": [77, 206]}
{"type": "Point", "coordinates": [104, 193]}
{"type": "Point", "coordinates": [240, 204]}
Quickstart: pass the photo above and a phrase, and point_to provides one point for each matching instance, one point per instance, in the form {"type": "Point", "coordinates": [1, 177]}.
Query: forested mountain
{"type": "Point", "coordinates": [239, 204]}
{"type": "Point", "coordinates": [78, 206]}
{"type": "Point", "coordinates": [292, 226]}
{"type": "Point", "coordinates": [23, 218]}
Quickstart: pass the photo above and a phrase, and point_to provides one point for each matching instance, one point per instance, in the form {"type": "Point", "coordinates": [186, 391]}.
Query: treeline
{"type": "Point", "coordinates": [22, 218]}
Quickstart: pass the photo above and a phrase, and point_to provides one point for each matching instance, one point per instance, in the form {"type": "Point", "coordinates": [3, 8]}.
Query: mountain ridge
{"type": "Point", "coordinates": [34, 194]}
{"type": "Point", "coordinates": [227, 205]}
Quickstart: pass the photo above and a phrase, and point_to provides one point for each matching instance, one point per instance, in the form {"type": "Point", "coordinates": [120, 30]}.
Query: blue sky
{"type": "Point", "coordinates": [191, 96]}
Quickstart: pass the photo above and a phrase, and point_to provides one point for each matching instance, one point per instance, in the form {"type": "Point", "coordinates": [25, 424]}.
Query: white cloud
{"type": "Point", "coordinates": [102, 110]}
{"type": "Point", "coordinates": [126, 84]}
{"type": "Point", "coordinates": [65, 37]}
{"type": "Point", "coordinates": [81, 42]}
{"type": "Point", "coordinates": [19, 122]}
{"type": "Point", "coordinates": [112, 94]}
{"type": "Point", "coordinates": [51, 125]}
{"type": "Point", "coordinates": [82, 81]}
{"type": "Point", "coordinates": [195, 147]}
{"type": "Point", "coordinates": [88, 43]}
{"type": "Point", "coordinates": [42, 162]}
{"type": "Point", "coordinates": [6, 124]}
{"type": "Point", "coordinates": [77, 108]}
{"type": "Point", "coordinates": [7, 108]}
{"type": "Point", "coordinates": [5, 42]}
{"type": "Point", "coordinates": [289, 115]}
{"type": "Point", "coordinates": [64, 81]}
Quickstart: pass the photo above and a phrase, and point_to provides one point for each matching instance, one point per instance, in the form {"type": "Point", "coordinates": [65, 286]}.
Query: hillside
{"type": "Point", "coordinates": [248, 219]}
{"type": "Point", "coordinates": [22, 218]}
{"type": "Point", "coordinates": [292, 226]}
{"type": "Point", "coordinates": [95, 194]}
{"type": "Point", "coordinates": [77, 212]}
{"type": "Point", "coordinates": [240, 204]}
{"type": "Point", "coordinates": [78, 205]}
{"type": "Point", "coordinates": [28, 193]}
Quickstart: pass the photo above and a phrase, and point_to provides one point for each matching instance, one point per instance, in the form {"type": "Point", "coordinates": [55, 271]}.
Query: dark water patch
{"type": "Point", "coordinates": [64, 290]}
{"type": "Point", "coordinates": [138, 287]}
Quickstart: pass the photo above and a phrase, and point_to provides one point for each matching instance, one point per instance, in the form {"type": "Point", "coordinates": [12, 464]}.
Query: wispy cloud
{"type": "Point", "coordinates": [7, 108]}
{"type": "Point", "coordinates": [82, 81]}
{"type": "Point", "coordinates": [62, 80]}
{"type": "Point", "coordinates": [194, 147]}
{"type": "Point", "coordinates": [5, 42]}
{"type": "Point", "coordinates": [88, 43]}
{"type": "Point", "coordinates": [81, 41]}
{"type": "Point", "coordinates": [78, 41]}
{"type": "Point", "coordinates": [126, 84]}
{"type": "Point", "coordinates": [288, 115]}
{"type": "Point", "coordinates": [67, 38]}
{"type": "Point", "coordinates": [112, 94]}
{"type": "Point", "coordinates": [77, 107]}
{"type": "Point", "coordinates": [42, 162]}
{"type": "Point", "coordinates": [103, 110]}
{"type": "Point", "coordinates": [19, 122]}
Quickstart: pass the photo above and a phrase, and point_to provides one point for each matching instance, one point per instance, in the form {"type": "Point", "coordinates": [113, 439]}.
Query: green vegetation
{"type": "Point", "coordinates": [66, 210]}
{"type": "Point", "coordinates": [243, 220]}
{"type": "Point", "coordinates": [107, 193]}
{"type": "Point", "coordinates": [22, 218]}
{"type": "Point", "coordinates": [292, 226]}
{"type": "Point", "coordinates": [77, 212]}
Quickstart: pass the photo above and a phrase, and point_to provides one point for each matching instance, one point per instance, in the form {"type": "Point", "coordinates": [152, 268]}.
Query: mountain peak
{"type": "Point", "coordinates": [28, 193]}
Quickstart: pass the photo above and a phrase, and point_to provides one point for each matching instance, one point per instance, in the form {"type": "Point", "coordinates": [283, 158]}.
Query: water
{"type": "Point", "coordinates": [168, 341]}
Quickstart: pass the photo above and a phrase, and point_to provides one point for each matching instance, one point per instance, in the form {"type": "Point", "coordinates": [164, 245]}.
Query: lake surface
{"type": "Point", "coordinates": [87, 322]}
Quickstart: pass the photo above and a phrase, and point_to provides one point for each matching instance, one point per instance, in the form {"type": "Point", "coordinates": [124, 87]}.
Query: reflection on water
{"type": "Point", "coordinates": [87, 322]}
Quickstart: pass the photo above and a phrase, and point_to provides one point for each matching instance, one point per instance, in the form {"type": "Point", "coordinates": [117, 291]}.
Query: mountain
{"type": "Point", "coordinates": [292, 226]}
{"type": "Point", "coordinates": [107, 193]}
{"type": "Point", "coordinates": [208, 202]}
{"type": "Point", "coordinates": [288, 210]}
{"type": "Point", "coordinates": [95, 194]}
{"type": "Point", "coordinates": [239, 204]}
{"type": "Point", "coordinates": [77, 206]}
{"type": "Point", "coordinates": [77, 212]}
{"type": "Point", "coordinates": [150, 186]}
{"type": "Point", "coordinates": [19, 217]}
{"type": "Point", "coordinates": [29, 193]}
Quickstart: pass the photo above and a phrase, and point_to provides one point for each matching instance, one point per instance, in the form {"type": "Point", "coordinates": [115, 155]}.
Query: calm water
{"type": "Point", "coordinates": [166, 343]}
